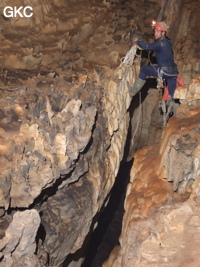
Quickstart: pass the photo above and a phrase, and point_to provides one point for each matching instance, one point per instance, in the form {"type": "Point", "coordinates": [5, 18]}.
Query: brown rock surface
{"type": "Point", "coordinates": [158, 225]}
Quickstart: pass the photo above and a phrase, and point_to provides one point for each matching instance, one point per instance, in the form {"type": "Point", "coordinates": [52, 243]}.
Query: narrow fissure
{"type": "Point", "coordinates": [106, 235]}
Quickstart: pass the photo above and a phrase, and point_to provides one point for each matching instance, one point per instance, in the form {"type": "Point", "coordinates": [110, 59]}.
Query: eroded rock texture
{"type": "Point", "coordinates": [64, 122]}
{"type": "Point", "coordinates": [18, 245]}
{"type": "Point", "coordinates": [51, 135]}
{"type": "Point", "coordinates": [158, 225]}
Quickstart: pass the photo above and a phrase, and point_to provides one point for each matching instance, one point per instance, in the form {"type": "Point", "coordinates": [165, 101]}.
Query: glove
{"type": "Point", "coordinates": [134, 40]}
{"type": "Point", "coordinates": [139, 47]}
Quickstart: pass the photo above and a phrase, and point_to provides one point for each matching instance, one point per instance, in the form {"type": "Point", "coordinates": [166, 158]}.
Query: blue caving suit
{"type": "Point", "coordinates": [165, 60]}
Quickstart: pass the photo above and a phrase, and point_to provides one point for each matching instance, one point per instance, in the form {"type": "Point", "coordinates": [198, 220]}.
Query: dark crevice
{"type": "Point", "coordinates": [135, 103]}
{"type": "Point", "coordinates": [48, 192]}
{"type": "Point", "coordinates": [106, 235]}
{"type": "Point", "coordinates": [41, 234]}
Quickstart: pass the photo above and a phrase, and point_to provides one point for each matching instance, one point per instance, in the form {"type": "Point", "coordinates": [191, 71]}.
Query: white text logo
{"type": "Point", "coordinates": [13, 12]}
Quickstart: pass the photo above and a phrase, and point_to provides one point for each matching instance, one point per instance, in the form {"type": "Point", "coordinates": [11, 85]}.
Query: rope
{"type": "Point", "coordinates": [151, 62]}
{"type": "Point", "coordinates": [167, 74]}
{"type": "Point", "coordinates": [140, 108]}
{"type": "Point", "coordinates": [160, 85]}
{"type": "Point", "coordinates": [130, 55]}
{"type": "Point", "coordinates": [128, 59]}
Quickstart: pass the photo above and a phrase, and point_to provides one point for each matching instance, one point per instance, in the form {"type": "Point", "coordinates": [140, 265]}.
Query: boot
{"type": "Point", "coordinates": [133, 90]}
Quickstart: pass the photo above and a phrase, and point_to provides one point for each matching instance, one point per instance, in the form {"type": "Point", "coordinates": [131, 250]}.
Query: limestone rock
{"type": "Point", "coordinates": [157, 225]}
{"type": "Point", "coordinates": [165, 238]}
{"type": "Point", "coordinates": [19, 244]}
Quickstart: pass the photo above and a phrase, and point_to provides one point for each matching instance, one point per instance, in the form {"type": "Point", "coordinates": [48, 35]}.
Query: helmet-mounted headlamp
{"type": "Point", "coordinates": [159, 26]}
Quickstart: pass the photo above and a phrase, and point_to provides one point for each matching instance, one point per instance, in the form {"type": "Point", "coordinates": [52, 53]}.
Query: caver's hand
{"type": "Point", "coordinates": [135, 39]}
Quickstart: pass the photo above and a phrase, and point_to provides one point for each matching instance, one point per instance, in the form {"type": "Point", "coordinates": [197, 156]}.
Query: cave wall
{"type": "Point", "coordinates": [58, 18]}
{"type": "Point", "coordinates": [158, 223]}
{"type": "Point", "coordinates": [76, 206]}
{"type": "Point", "coordinates": [161, 220]}
{"type": "Point", "coordinates": [184, 27]}
{"type": "Point", "coordinates": [60, 171]}
{"type": "Point", "coordinates": [64, 116]}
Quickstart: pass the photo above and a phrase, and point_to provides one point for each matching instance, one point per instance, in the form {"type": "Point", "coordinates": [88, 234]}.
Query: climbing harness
{"type": "Point", "coordinates": [166, 104]}
{"type": "Point", "coordinates": [160, 81]}
{"type": "Point", "coordinates": [165, 100]}
{"type": "Point", "coordinates": [129, 58]}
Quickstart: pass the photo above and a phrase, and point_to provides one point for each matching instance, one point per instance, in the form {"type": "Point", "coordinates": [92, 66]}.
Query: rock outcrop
{"type": "Point", "coordinates": [159, 224]}
{"type": "Point", "coordinates": [18, 246]}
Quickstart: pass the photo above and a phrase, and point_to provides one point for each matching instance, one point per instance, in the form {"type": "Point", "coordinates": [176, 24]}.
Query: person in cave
{"type": "Point", "coordinates": [165, 68]}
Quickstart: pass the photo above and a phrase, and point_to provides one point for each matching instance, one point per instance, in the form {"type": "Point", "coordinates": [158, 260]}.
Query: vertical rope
{"type": "Point", "coordinates": [140, 109]}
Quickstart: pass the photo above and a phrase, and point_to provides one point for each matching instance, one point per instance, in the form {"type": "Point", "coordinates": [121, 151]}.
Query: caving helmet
{"type": "Point", "coordinates": [161, 26]}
